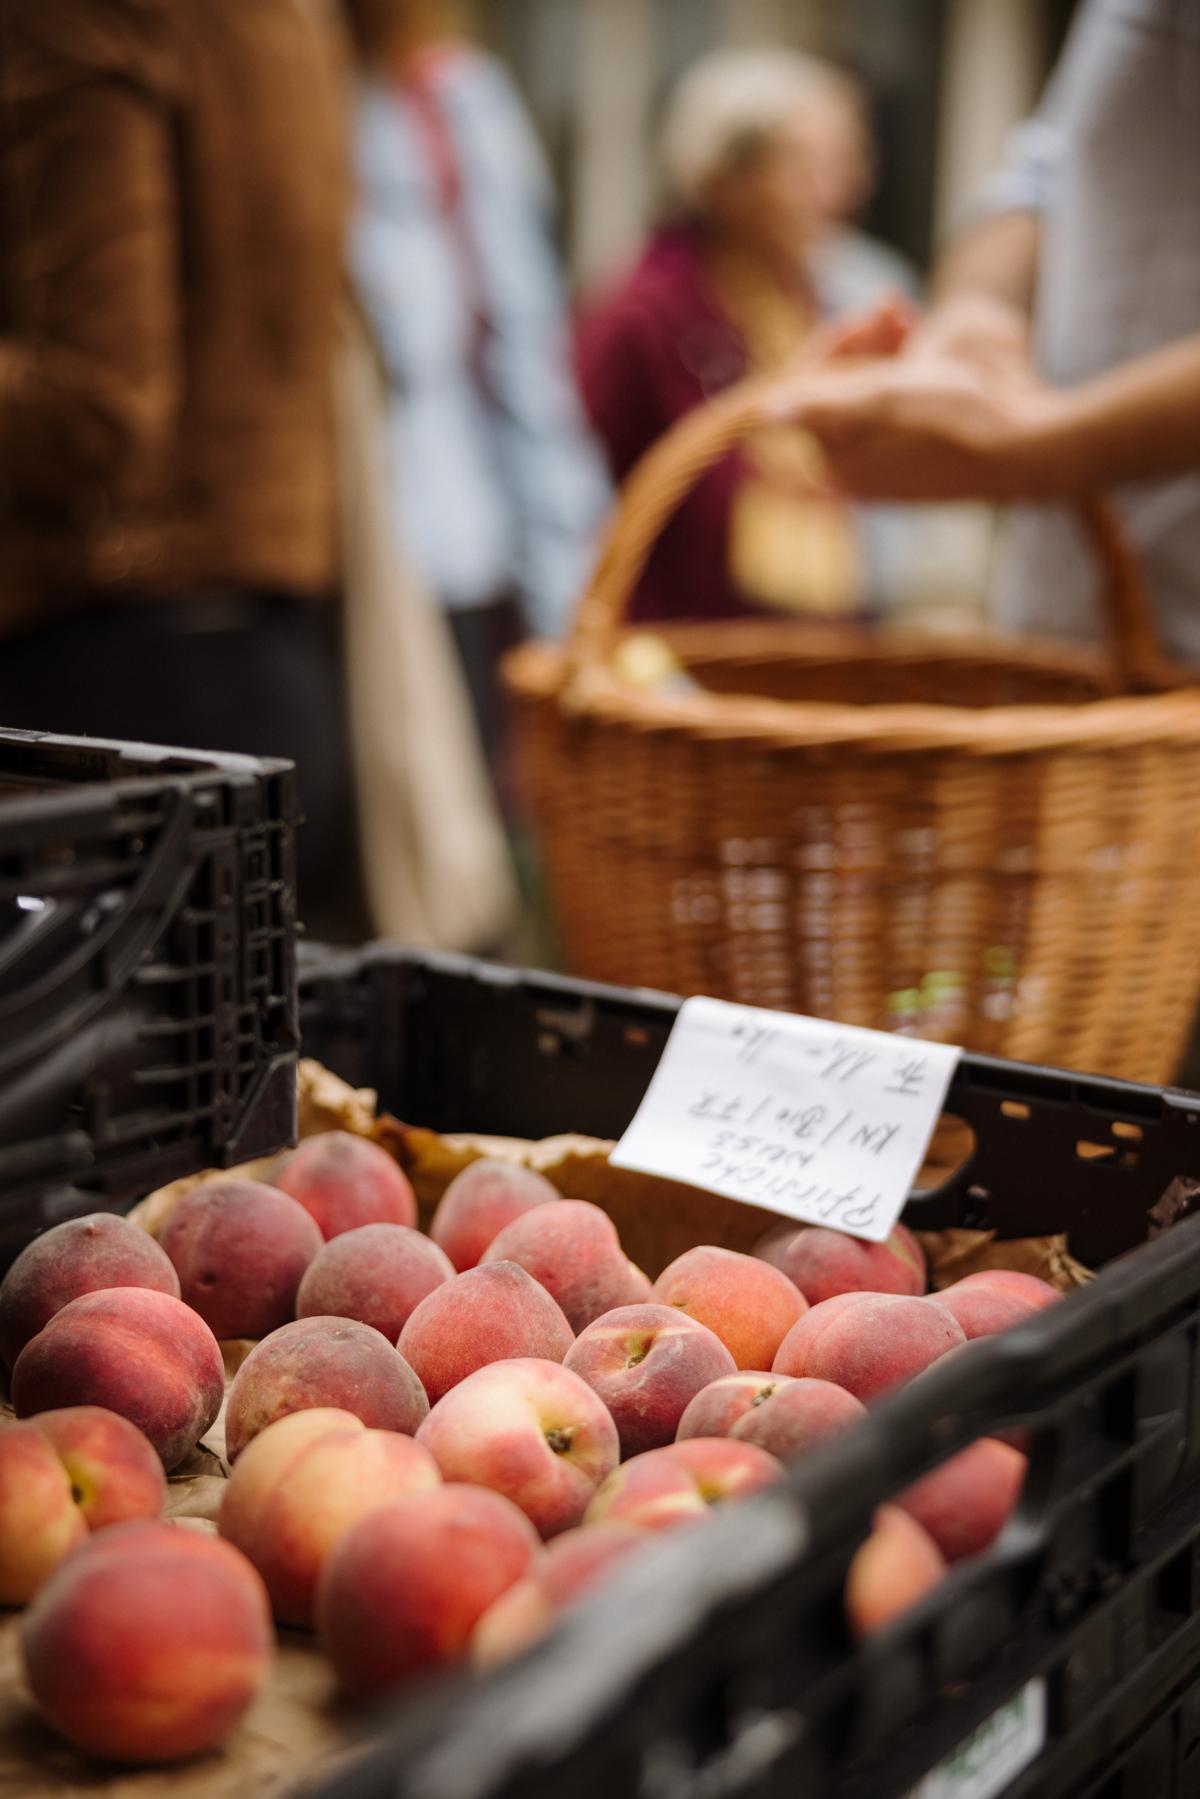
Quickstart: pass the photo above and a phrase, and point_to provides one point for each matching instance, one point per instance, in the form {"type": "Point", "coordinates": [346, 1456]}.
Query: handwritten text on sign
{"type": "Point", "coordinates": [823, 1122]}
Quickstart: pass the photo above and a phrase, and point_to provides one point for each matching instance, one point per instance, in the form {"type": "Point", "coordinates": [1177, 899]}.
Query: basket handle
{"type": "Point", "coordinates": [672, 466]}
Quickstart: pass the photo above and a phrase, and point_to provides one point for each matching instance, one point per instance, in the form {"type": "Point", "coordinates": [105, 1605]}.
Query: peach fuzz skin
{"type": "Point", "coordinates": [896, 1566]}
{"type": "Point", "coordinates": [82, 1255]}
{"type": "Point", "coordinates": [377, 1274]}
{"type": "Point", "coordinates": [572, 1249]}
{"type": "Point", "coordinates": [823, 1263]}
{"type": "Point", "coordinates": [240, 1249]}
{"type": "Point", "coordinates": [345, 1181]}
{"type": "Point", "coordinates": [964, 1504]}
{"type": "Point", "coordinates": [571, 1567]}
{"type": "Point", "coordinates": [149, 1643]}
{"type": "Point", "coordinates": [299, 1487]}
{"type": "Point", "coordinates": [402, 1592]}
{"type": "Point", "coordinates": [745, 1301]}
{"type": "Point", "coordinates": [716, 1408]}
{"type": "Point", "coordinates": [664, 1488]}
{"type": "Point", "coordinates": [799, 1415]}
{"type": "Point", "coordinates": [647, 1362]}
{"type": "Point", "coordinates": [133, 1351]}
{"type": "Point", "coordinates": [63, 1474]}
{"type": "Point", "coordinates": [323, 1362]}
{"type": "Point", "coordinates": [480, 1201]}
{"type": "Point", "coordinates": [529, 1429]}
{"type": "Point", "coordinates": [490, 1314]}
{"type": "Point", "coordinates": [875, 1342]}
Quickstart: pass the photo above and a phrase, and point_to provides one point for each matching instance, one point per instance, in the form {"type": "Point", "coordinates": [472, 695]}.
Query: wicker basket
{"type": "Point", "coordinates": [989, 845]}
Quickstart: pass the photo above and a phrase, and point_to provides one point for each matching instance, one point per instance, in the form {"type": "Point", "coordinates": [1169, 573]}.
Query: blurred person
{"type": "Point", "coordinates": [1061, 355]}
{"type": "Point", "coordinates": [851, 268]}
{"type": "Point", "coordinates": [171, 232]}
{"type": "Point", "coordinates": [728, 286]}
{"type": "Point", "coordinates": [498, 486]}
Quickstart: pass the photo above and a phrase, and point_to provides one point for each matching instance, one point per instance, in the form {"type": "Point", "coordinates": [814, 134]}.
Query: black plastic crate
{"type": "Point", "coordinates": [720, 1668]}
{"type": "Point", "coordinates": [148, 1021]}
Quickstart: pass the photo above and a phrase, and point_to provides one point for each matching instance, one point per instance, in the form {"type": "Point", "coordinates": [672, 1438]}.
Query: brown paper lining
{"type": "Point", "coordinates": [296, 1731]}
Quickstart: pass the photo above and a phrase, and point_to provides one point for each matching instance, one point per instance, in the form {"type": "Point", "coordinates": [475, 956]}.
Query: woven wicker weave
{"type": "Point", "coordinates": [989, 845]}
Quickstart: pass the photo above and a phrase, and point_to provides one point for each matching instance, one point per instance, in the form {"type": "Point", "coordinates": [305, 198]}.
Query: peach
{"type": "Point", "coordinates": [572, 1249]}
{"type": "Point", "coordinates": [1036, 1293]}
{"type": "Point", "coordinates": [402, 1592]}
{"type": "Point", "coordinates": [907, 1244]}
{"type": "Point", "coordinates": [239, 1249]}
{"type": "Point", "coordinates": [480, 1201]}
{"type": "Point", "coordinates": [985, 1310]}
{"type": "Point", "coordinates": [318, 1362]}
{"type": "Point", "coordinates": [647, 1362]}
{"type": "Point", "coordinates": [114, 1471]}
{"type": "Point", "coordinates": [876, 1343]}
{"type": "Point", "coordinates": [489, 1314]}
{"type": "Point", "coordinates": [570, 1567]}
{"type": "Point", "coordinates": [82, 1255]}
{"type": "Point", "coordinates": [746, 1302]}
{"type": "Point", "coordinates": [345, 1181]}
{"type": "Point", "coordinates": [134, 1351]}
{"type": "Point", "coordinates": [39, 1520]}
{"type": "Point", "coordinates": [299, 1487]}
{"type": "Point", "coordinates": [896, 1566]}
{"type": "Point", "coordinates": [797, 1415]}
{"type": "Point", "coordinates": [964, 1504]}
{"type": "Point", "coordinates": [676, 1485]}
{"type": "Point", "coordinates": [823, 1263]}
{"type": "Point", "coordinates": [529, 1429]}
{"type": "Point", "coordinates": [61, 1475]}
{"type": "Point", "coordinates": [716, 1408]}
{"type": "Point", "coordinates": [148, 1643]}
{"type": "Point", "coordinates": [378, 1274]}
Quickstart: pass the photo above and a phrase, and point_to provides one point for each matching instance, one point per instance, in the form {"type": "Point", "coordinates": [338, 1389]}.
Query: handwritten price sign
{"type": "Point", "coordinates": [822, 1122]}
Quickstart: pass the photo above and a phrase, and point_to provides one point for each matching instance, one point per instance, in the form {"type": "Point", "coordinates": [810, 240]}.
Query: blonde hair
{"type": "Point", "coordinates": [725, 106]}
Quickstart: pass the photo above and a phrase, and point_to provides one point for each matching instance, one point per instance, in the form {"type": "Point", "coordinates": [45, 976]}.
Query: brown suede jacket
{"type": "Point", "coordinates": [171, 213]}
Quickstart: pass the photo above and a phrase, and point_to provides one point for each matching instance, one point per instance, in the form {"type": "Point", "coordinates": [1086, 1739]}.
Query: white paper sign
{"type": "Point", "coordinates": [822, 1122]}
{"type": "Point", "coordinates": [992, 1756]}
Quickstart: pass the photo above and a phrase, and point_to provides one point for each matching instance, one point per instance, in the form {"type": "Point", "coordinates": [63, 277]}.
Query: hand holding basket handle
{"type": "Point", "coordinates": [672, 466]}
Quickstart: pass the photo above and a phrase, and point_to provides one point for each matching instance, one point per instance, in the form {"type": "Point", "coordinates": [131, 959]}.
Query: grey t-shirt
{"type": "Point", "coordinates": [1112, 163]}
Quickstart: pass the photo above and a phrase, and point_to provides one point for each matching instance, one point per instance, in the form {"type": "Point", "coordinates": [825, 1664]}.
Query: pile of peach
{"type": "Point", "coordinates": [439, 1441]}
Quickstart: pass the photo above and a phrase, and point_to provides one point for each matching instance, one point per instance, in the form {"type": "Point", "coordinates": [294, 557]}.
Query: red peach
{"type": "Point", "coordinates": [239, 1249]}
{"type": "Point", "coordinates": [134, 1351]}
{"type": "Point", "coordinates": [823, 1263]}
{"type": "Point", "coordinates": [571, 1566]}
{"type": "Point", "coordinates": [984, 1311]}
{"type": "Point", "coordinates": [647, 1363]}
{"type": "Point", "coordinates": [318, 1362]}
{"type": "Point", "coordinates": [871, 1346]}
{"type": "Point", "coordinates": [299, 1487]}
{"type": "Point", "coordinates": [114, 1471]}
{"type": "Point", "coordinates": [528, 1429]}
{"type": "Point", "coordinates": [746, 1302]}
{"type": "Point", "coordinates": [148, 1643]}
{"type": "Point", "coordinates": [378, 1274]}
{"type": "Point", "coordinates": [402, 1592]}
{"type": "Point", "coordinates": [641, 1286]}
{"type": "Point", "coordinates": [480, 1201]}
{"type": "Point", "coordinates": [965, 1503]}
{"type": "Point", "coordinates": [906, 1243]}
{"type": "Point", "coordinates": [62, 1474]}
{"type": "Point", "coordinates": [345, 1181]}
{"type": "Point", "coordinates": [82, 1255]}
{"type": "Point", "coordinates": [667, 1487]}
{"type": "Point", "coordinates": [39, 1520]}
{"type": "Point", "coordinates": [572, 1249]}
{"type": "Point", "coordinates": [716, 1408]}
{"type": "Point", "coordinates": [799, 1414]}
{"type": "Point", "coordinates": [896, 1566]}
{"type": "Point", "coordinates": [489, 1314]}
{"type": "Point", "coordinates": [1036, 1293]}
